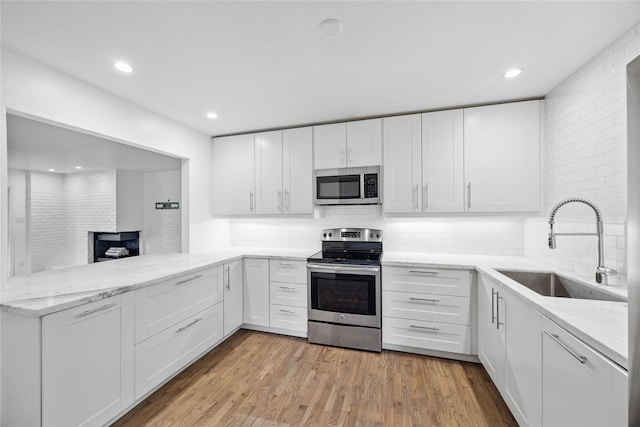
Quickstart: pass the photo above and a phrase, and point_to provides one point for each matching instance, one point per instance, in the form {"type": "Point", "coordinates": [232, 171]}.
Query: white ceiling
{"type": "Point", "coordinates": [264, 64]}
{"type": "Point", "coordinates": [37, 146]}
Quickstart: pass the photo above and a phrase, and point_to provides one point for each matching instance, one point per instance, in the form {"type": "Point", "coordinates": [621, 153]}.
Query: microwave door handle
{"type": "Point", "coordinates": [362, 186]}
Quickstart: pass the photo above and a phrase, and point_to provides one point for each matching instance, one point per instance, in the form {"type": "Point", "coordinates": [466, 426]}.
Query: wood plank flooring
{"type": "Point", "coordinates": [260, 379]}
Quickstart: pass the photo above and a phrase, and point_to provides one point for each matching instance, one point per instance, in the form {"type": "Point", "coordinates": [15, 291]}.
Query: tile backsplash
{"type": "Point", "coordinates": [477, 235]}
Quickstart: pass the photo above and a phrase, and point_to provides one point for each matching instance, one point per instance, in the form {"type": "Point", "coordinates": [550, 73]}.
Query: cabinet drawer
{"type": "Point", "coordinates": [426, 335]}
{"type": "Point", "coordinates": [285, 317]}
{"type": "Point", "coordinates": [288, 294]}
{"type": "Point", "coordinates": [162, 355]}
{"type": "Point", "coordinates": [165, 304]}
{"type": "Point", "coordinates": [431, 308]}
{"type": "Point", "coordinates": [426, 280]}
{"type": "Point", "coordinates": [288, 271]}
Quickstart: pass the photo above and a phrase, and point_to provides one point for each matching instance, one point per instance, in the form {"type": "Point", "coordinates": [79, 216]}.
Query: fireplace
{"type": "Point", "coordinates": [105, 246]}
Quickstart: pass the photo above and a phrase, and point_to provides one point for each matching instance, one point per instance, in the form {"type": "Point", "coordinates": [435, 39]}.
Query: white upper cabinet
{"type": "Point", "coordinates": [330, 146]}
{"type": "Point", "coordinates": [352, 144]}
{"type": "Point", "coordinates": [502, 157]}
{"type": "Point", "coordinates": [268, 152]}
{"type": "Point", "coordinates": [297, 170]}
{"type": "Point", "coordinates": [364, 143]}
{"type": "Point", "coordinates": [233, 175]}
{"type": "Point", "coordinates": [442, 161]}
{"type": "Point", "coordinates": [423, 163]}
{"type": "Point", "coordinates": [402, 164]}
{"type": "Point", "coordinates": [268, 173]}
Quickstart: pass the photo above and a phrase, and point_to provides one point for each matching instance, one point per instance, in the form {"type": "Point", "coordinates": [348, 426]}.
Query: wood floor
{"type": "Point", "coordinates": [260, 379]}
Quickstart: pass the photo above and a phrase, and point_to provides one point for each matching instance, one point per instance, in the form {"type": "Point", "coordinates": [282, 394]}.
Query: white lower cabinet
{"type": "Point", "coordinates": [580, 386]}
{"type": "Point", "coordinates": [288, 296]}
{"type": "Point", "coordinates": [233, 296]}
{"type": "Point", "coordinates": [176, 321]}
{"type": "Point", "coordinates": [509, 349]}
{"type": "Point", "coordinates": [87, 368]}
{"type": "Point", "coordinates": [427, 309]}
{"type": "Point", "coordinates": [256, 292]}
{"type": "Point", "coordinates": [290, 318]}
{"type": "Point", "coordinates": [165, 353]}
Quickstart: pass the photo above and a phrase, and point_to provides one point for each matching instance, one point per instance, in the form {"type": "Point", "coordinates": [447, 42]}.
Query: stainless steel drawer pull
{"type": "Point", "coordinates": [189, 325]}
{"type": "Point", "coordinates": [433, 300]}
{"type": "Point", "coordinates": [288, 288]}
{"type": "Point", "coordinates": [286, 264]}
{"type": "Point", "coordinates": [97, 309]}
{"type": "Point", "coordinates": [426, 328]}
{"type": "Point", "coordinates": [556, 338]}
{"type": "Point", "coordinates": [434, 273]}
{"type": "Point", "coordinates": [191, 279]}
{"type": "Point", "coordinates": [282, 310]}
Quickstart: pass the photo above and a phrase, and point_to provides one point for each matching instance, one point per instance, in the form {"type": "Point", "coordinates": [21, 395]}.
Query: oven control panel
{"type": "Point", "coordinates": [351, 235]}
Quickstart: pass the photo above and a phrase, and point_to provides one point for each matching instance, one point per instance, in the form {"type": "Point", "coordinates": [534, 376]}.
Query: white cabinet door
{"type": "Point", "coordinates": [87, 362]}
{"type": "Point", "coordinates": [491, 331]}
{"type": "Point", "coordinates": [233, 175]}
{"type": "Point", "coordinates": [523, 375]}
{"type": "Point", "coordinates": [233, 298]}
{"type": "Point", "coordinates": [268, 162]}
{"type": "Point", "coordinates": [330, 146]}
{"type": "Point", "coordinates": [502, 157]}
{"type": "Point", "coordinates": [256, 291]}
{"type": "Point", "coordinates": [364, 143]}
{"type": "Point", "coordinates": [442, 188]}
{"type": "Point", "coordinates": [580, 387]}
{"type": "Point", "coordinates": [297, 170]}
{"type": "Point", "coordinates": [402, 167]}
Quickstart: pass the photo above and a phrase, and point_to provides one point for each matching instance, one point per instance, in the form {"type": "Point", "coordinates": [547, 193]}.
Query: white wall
{"type": "Point", "coordinates": [129, 201]}
{"type": "Point", "coordinates": [18, 221]}
{"type": "Point", "coordinates": [586, 157]}
{"type": "Point", "coordinates": [47, 221]}
{"type": "Point", "coordinates": [90, 205]}
{"type": "Point", "coordinates": [34, 90]}
{"type": "Point", "coordinates": [162, 231]}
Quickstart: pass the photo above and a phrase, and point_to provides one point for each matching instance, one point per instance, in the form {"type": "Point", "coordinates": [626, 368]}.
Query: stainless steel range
{"type": "Point", "coordinates": [344, 289]}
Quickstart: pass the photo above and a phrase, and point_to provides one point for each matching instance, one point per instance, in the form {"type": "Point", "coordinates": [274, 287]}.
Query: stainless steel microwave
{"type": "Point", "coordinates": [348, 186]}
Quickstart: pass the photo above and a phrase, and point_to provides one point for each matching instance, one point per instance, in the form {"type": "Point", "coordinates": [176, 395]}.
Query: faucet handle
{"type": "Point", "coordinates": [604, 271]}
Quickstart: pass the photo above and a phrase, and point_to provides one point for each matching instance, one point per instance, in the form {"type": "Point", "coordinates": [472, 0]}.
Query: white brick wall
{"type": "Point", "coordinates": [90, 206]}
{"type": "Point", "coordinates": [48, 221]}
{"type": "Point", "coordinates": [163, 229]}
{"type": "Point", "coordinates": [495, 236]}
{"type": "Point", "coordinates": [586, 157]}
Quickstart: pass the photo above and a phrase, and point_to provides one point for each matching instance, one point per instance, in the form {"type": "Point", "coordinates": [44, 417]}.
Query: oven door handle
{"type": "Point", "coordinates": [343, 268]}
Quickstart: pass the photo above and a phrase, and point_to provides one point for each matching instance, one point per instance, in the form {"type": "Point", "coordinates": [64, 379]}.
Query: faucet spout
{"type": "Point", "coordinates": [601, 270]}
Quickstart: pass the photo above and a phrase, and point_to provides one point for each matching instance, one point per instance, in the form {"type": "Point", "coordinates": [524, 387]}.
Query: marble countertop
{"type": "Point", "coordinates": [601, 324]}
{"type": "Point", "coordinates": [50, 291]}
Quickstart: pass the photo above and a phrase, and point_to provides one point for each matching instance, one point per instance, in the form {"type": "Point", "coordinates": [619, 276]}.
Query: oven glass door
{"type": "Point", "coordinates": [338, 187]}
{"type": "Point", "coordinates": [346, 297]}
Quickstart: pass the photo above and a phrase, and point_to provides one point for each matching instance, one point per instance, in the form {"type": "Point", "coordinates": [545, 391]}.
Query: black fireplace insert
{"type": "Point", "coordinates": [109, 246]}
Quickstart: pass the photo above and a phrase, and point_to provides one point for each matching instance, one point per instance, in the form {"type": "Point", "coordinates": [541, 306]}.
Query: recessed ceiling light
{"type": "Point", "coordinates": [211, 115]}
{"type": "Point", "coordinates": [512, 73]}
{"type": "Point", "coordinates": [51, 170]}
{"type": "Point", "coordinates": [78, 167]}
{"type": "Point", "coordinates": [330, 28]}
{"type": "Point", "coordinates": [123, 66]}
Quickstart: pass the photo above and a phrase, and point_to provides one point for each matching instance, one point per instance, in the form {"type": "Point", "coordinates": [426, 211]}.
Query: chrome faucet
{"type": "Point", "coordinates": [600, 268]}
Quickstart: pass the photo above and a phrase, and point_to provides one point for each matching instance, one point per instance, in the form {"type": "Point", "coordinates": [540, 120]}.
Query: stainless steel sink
{"type": "Point", "coordinates": [552, 285]}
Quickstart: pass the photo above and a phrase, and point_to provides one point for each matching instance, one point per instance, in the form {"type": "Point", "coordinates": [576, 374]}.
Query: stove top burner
{"type": "Point", "coordinates": [353, 246]}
